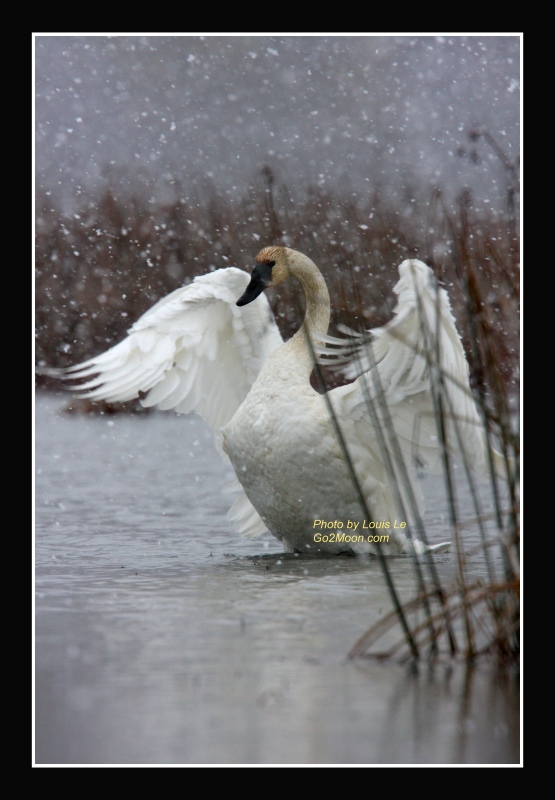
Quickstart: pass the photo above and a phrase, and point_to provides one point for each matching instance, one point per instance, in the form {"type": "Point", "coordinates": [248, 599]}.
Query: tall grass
{"type": "Point", "coordinates": [103, 265]}
{"type": "Point", "coordinates": [464, 616]}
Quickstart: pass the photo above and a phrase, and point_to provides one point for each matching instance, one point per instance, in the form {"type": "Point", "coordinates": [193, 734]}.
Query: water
{"type": "Point", "coordinates": [164, 638]}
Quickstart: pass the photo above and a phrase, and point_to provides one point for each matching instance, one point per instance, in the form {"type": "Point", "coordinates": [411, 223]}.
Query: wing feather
{"type": "Point", "coordinates": [194, 350]}
{"type": "Point", "coordinates": [407, 370]}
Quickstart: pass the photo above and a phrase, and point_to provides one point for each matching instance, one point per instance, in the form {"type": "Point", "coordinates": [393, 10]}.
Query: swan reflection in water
{"type": "Point", "coordinates": [326, 473]}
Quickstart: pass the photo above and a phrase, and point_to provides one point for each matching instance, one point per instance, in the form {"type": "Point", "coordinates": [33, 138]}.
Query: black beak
{"type": "Point", "coordinates": [260, 280]}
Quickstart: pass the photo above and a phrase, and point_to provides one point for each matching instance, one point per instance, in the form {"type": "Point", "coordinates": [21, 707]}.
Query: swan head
{"type": "Point", "coordinates": [272, 267]}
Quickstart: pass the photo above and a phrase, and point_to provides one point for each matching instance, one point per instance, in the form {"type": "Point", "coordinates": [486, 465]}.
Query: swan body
{"type": "Point", "coordinates": [208, 347]}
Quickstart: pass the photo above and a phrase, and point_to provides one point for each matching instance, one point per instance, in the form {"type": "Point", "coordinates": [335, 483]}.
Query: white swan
{"type": "Point", "coordinates": [202, 349]}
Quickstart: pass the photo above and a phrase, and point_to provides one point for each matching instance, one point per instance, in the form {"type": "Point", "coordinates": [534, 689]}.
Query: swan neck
{"type": "Point", "coordinates": [317, 315]}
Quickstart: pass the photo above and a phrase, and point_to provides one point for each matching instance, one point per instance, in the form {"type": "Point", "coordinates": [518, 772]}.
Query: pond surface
{"type": "Point", "coordinates": [161, 637]}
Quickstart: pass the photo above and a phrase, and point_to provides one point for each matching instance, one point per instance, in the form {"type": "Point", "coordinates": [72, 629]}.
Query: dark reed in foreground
{"type": "Point", "coordinates": [466, 617]}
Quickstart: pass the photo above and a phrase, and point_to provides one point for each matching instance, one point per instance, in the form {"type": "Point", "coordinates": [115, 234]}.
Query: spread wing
{"type": "Point", "coordinates": [194, 350]}
{"type": "Point", "coordinates": [411, 400]}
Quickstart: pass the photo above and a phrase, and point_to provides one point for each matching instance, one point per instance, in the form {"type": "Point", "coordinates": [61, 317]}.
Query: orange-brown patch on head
{"type": "Point", "coordinates": [271, 253]}
{"type": "Point", "coordinates": [278, 257]}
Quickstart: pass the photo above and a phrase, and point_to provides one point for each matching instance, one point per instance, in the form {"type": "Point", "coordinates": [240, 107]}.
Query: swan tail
{"type": "Point", "coordinates": [414, 547]}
